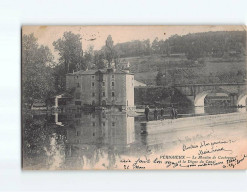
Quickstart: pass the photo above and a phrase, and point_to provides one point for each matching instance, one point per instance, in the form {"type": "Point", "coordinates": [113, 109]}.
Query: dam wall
{"type": "Point", "coordinates": [169, 125]}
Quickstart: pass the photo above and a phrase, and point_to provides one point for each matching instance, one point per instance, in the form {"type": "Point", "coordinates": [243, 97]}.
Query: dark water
{"type": "Point", "coordinates": [77, 140]}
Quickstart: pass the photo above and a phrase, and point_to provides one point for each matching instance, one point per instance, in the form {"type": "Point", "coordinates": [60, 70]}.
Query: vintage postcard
{"type": "Point", "coordinates": [134, 97]}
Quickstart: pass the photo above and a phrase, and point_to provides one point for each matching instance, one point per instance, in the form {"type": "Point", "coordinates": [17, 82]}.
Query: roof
{"type": "Point", "coordinates": [104, 71]}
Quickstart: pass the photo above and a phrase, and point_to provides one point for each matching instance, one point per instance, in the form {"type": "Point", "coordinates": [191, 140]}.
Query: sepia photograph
{"type": "Point", "coordinates": [133, 97]}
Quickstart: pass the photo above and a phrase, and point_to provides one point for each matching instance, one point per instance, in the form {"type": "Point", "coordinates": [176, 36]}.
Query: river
{"type": "Point", "coordinates": [84, 140]}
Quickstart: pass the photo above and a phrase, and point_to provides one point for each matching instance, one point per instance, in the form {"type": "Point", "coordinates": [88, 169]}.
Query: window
{"type": "Point", "coordinates": [78, 85]}
{"type": "Point", "coordinates": [93, 94]}
{"type": "Point", "coordinates": [103, 83]}
{"type": "Point", "coordinates": [113, 94]}
{"type": "Point", "coordinates": [103, 94]}
{"type": "Point", "coordinates": [112, 83]}
{"type": "Point", "coordinates": [77, 77]}
{"type": "Point", "coordinates": [92, 77]}
{"type": "Point", "coordinates": [94, 124]}
{"type": "Point", "coordinates": [113, 124]}
{"type": "Point", "coordinates": [112, 76]}
{"type": "Point", "coordinates": [78, 133]}
{"type": "Point", "coordinates": [103, 123]}
{"type": "Point", "coordinates": [92, 84]}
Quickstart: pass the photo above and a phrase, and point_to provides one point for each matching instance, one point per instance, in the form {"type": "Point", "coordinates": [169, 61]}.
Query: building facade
{"type": "Point", "coordinates": [103, 87]}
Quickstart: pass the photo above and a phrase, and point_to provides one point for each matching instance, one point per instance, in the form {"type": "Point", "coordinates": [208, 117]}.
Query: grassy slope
{"type": "Point", "coordinates": [146, 67]}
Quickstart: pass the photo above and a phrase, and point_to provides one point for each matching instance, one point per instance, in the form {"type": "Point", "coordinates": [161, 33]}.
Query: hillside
{"type": "Point", "coordinates": [182, 70]}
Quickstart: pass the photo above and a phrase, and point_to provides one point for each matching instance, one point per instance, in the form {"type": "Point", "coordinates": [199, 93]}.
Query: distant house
{"type": "Point", "coordinates": [123, 65]}
{"type": "Point", "coordinates": [102, 87]}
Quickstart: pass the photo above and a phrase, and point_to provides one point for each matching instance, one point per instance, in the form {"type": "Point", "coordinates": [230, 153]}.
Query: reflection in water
{"type": "Point", "coordinates": [93, 137]}
{"type": "Point", "coordinates": [80, 140]}
{"type": "Point", "coordinates": [76, 140]}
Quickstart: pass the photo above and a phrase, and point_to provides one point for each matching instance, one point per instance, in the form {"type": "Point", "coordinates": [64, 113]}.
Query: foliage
{"type": "Point", "coordinates": [37, 134]}
{"type": "Point", "coordinates": [195, 45]}
{"type": "Point", "coordinates": [70, 52]}
{"type": "Point", "coordinates": [37, 63]}
{"type": "Point", "coordinates": [71, 59]}
{"type": "Point", "coordinates": [159, 78]}
{"type": "Point", "coordinates": [133, 48]}
{"type": "Point", "coordinates": [99, 60]}
{"type": "Point", "coordinates": [110, 53]}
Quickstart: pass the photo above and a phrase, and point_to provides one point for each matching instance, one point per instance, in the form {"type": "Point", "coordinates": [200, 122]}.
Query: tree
{"type": "Point", "coordinates": [37, 63]}
{"type": "Point", "coordinates": [147, 47]}
{"type": "Point", "coordinates": [99, 60]}
{"type": "Point", "coordinates": [88, 57]}
{"type": "Point", "coordinates": [159, 78]}
{"type": "Point", "coordinates": [155, 46]}
{"type": "Point", "coordinates": [109, 50]}
{"type": "Point", "coordinates": [70, 52]}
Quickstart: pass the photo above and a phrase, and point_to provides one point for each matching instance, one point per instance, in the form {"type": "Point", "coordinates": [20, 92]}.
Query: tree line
{"type": "Point", "coordinates": [194, 46]}
{"type": "Point", "coordinates": [43, 77]}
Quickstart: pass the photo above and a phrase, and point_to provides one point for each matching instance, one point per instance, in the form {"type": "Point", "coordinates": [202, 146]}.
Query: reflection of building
{"type": "Point", "coordinates": [103, 87]}
{"type": "Point", "coordinates": [113, 129]}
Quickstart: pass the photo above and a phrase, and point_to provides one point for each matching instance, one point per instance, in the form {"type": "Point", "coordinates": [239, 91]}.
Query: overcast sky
{"type": "Point", "coordinates": [48, 34]}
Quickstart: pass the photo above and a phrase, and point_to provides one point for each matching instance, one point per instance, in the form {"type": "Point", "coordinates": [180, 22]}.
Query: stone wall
{"type": "Point", "coordinates": [190, 122]}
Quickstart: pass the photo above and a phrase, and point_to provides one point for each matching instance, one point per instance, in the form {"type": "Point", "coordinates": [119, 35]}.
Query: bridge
{"type": "Point", "coordinates": [196, 93]}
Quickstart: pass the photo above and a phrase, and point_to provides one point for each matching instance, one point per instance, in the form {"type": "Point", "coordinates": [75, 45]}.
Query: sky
{"type": "Point", "coordinates": [48, 34]}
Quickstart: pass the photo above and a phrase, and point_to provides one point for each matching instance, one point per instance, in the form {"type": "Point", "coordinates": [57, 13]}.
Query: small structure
{"type": "Point", "coordinates": [39, 105]}
{"type": "Point", "coordinates": [58, 101]}
{"type": "Point", "coordinates": [123, 65]}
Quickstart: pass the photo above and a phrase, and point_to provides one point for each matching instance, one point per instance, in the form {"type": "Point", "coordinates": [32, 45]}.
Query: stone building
{"type": "Point", "coordinates": [103, 87]}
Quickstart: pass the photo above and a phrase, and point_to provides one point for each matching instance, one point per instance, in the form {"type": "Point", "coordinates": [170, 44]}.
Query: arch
{"type": "Point", "coordinates": [242, 100]}
{"type": "Point", "coordinates": [199, 99]}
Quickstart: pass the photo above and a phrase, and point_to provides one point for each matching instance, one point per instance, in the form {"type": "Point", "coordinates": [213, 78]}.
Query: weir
{"type": "Point", "coordinates": [169, 125]}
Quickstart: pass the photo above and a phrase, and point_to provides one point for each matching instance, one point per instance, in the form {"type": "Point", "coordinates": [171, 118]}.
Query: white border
{"type": "Point", "coordinates": [14, 13]}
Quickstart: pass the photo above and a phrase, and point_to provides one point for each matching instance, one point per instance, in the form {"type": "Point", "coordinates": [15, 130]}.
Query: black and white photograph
{"type": "Point", "coordinates": [133, 97]}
